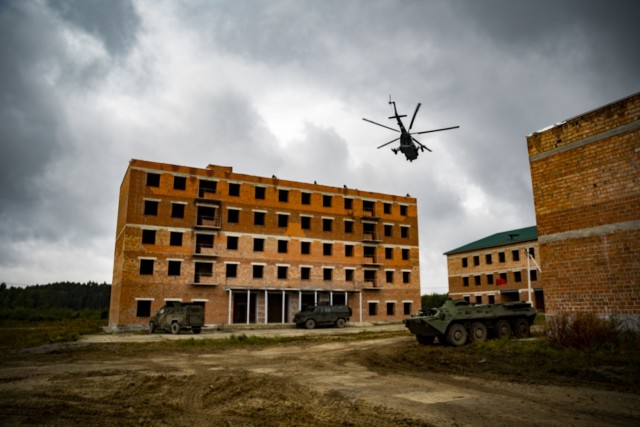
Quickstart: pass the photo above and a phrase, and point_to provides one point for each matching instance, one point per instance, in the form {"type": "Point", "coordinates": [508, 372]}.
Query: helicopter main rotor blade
{"type": "Point", "coordinates": [421, 145]}
{"type": "Point", "coordinates": [383, 145]}
{"type": "Point", "coordinates": [436, 130]}
{"type": "Point", "coordinates": [414, 116]}
{"type": "Point", "coordinates": [371, 121]}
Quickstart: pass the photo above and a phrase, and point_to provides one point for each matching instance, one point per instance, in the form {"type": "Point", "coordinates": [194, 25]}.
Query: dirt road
{"type": "Point", "coordinates": [320, 383]}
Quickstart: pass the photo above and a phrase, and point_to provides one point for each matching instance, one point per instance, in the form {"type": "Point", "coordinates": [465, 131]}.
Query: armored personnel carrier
{"type": "Point", "coordinates": [458, 322]}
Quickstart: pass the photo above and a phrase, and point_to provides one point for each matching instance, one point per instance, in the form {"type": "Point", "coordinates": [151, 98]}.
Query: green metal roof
{"type": "Point", "coordinates": [499, 239]}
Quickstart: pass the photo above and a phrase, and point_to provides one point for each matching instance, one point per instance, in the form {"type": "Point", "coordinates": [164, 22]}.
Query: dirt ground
{"type": "Point", "coordinates": [127, 379]}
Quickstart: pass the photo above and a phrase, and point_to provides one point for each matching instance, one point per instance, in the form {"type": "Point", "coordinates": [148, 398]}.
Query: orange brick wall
{"type": "Point", "coordinates": [586, 184]}
{"type": "Point", "coordinates": [129, 285]}
{"type": "Point", "coordinates": [484, 290]}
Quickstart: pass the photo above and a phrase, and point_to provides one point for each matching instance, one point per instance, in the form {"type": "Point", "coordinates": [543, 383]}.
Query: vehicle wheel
{"type": "Point", "coordinates": [521, 328]}
{"type": "Point", "coordinates": [503, 329]}
{"type": "Point", "coordinates": [478, 332]}
{"type": "Point", "coordinates": [425, 339]}
{"type": "Point", "coordinates": [196, 329]}
{"type": "Point", "coordinates": [310, 324]}
{"type": "Point", "coordinates": [175, 328]}
{"type": "Point", "coordinates": [457, 335]}
{"type": "Point", "coordinates": [340, 323]}
{"type": "Point", "coordinates": [152, 327]}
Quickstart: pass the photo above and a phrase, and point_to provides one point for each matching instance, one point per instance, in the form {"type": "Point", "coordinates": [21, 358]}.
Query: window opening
{"type": "Point", "coordinates": [179, 183]}
{"type": "Point", "coordinates": [283, 220]}
{"type": "Point", "coordinates": [146, 266]}
{"type": "Point", "coordinates": [282, 272]}
{"type": "Point", "coordinates": [143, 309]}
{"type": "Point", "coordinates": [151, 207]}
{"type": "Point", "coordinates": [153, 179]}
{"type": "Point", "coordinates": [206, 187]}
{"type": "Point", "coordinates": [258, 271]}
{"type": "Point", "coordinates": [175, 238]}
{"type": "Point", "coordinates": [234, 189]}
{"type": "Point", "coordinates": [233, 216]}
{"type": "Point", "coordinates": [177, 210]}
{"type": "Point", "coordinates": [232, 243]}
{"type": "Point", "coordinates": [174, 268]}
{"type": "Point", "coordinates": [148, 237]}
{"type": "Point", "coordinates": [327, 249]}
{"type": "Point", "coordinates": [231, 270]}
{"type": "Point", "coordinates": [391, 309]}
{"type": "Point", "coordinates": [258, 218]}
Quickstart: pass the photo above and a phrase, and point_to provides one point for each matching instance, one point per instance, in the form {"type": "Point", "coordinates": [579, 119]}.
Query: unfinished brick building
{"type": "Point", "coordinates": [256, 250]}
{"type": "Point", "coordinates": [586, 186]}
{"type": "Point", "coordinates": [497, 269]}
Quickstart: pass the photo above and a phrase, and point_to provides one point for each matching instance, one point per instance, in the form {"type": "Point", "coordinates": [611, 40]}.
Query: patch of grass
{"type": "Point", "coordinates": [23, 334]}
{"type": "Point", "coordinates": [532, 361]}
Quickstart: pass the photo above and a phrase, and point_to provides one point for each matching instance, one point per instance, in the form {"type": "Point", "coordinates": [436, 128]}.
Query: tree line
{"type": "Point", "coordinates": [54, 300]}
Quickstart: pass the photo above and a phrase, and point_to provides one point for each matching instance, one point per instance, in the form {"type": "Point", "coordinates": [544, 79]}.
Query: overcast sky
{"type": "Point", "coordinates": [281, 87]}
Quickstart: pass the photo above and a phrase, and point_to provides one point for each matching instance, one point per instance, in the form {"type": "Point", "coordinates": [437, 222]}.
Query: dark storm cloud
{"type": "Point", "coordinates": [114, 22]}
{"type": "Point", "coordinates": [280, 87]}
{"type": "Point", "coordinates": [30, 121]}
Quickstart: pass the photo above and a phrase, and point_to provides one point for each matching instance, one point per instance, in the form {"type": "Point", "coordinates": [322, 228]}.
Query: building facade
{"type": "Point", "coordinates": [255, 250]}
{"type": "Point", "coordinates": [586, 186]}
{"type": "Point", "coordinates": [503, 267]}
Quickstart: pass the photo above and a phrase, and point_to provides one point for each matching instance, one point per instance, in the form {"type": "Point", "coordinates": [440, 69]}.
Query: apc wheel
{"type": "Point", "coordinates": [425, 339]}
{"type": "Point", "coordinates": [503, 329]}
{"type": "Point", "coordinates": [521, 328]}
{"type": "Point", "coordinates": [152, 327]}
{"type": "Point", "coordinates": [457, 335]}
{"type": "Point", "coordinates": [310, 324]}
{"type": "Point", "coordinates": [196, 329]}
{"type": "Point", "coordinates": [175, 328]}
{"type": "Point", "coordinates": [478, 332]}
{"type": "Point", "coordinates": [340, 323]}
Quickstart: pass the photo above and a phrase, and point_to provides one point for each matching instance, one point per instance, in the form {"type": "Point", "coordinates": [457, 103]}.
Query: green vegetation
{"type": "Point", "coordinates": [56, 312]}
{"type": "Point", "coordinates": [433, 300]}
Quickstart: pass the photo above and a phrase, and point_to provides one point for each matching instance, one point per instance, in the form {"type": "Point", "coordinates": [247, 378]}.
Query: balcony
{"type": "Point", "coordinates": [371, 236]}
{"type": "Point", "coordinates": [208, 223]}
{"type": "Point", "coordinates": [371, 260]}
{"type": "Point", "coordinates": [203, 279]}
{"type": "Point", "coordinates": [369, 212]}
{"type": "Point", "coordinates": [205, 251]}
{"type": "Point", "coordinates": [371, 284]}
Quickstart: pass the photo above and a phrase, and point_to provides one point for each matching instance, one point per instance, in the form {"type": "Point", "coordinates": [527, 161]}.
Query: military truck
{"type": "Point", "coordinates": [458, 322]}
{"type": "Point", "coordinates": [315, 315]}
{"type": "Point", "coordinates": [177, 317]}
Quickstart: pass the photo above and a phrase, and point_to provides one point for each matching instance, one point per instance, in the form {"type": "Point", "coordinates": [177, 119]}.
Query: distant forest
{"type": "Point", "coordinates": [54, 300]}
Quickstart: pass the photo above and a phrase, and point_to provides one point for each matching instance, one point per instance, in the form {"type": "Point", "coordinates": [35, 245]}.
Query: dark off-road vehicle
{"type": "Point", "coordinates": [313, 315]}
{"type": "Point", "coordinates": [178, 317]}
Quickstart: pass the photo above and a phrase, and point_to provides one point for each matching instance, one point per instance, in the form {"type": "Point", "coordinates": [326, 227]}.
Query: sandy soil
{"type": "Point", "coordinates": [319, 383]}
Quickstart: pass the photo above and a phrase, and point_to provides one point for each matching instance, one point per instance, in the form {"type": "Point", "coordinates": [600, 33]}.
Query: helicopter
{"type": "Point", "coordinates": [409, 146]}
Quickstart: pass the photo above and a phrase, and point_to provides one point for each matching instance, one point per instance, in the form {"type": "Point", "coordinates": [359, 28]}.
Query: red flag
{"type": "Point", "coordinates": [501, 281]}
